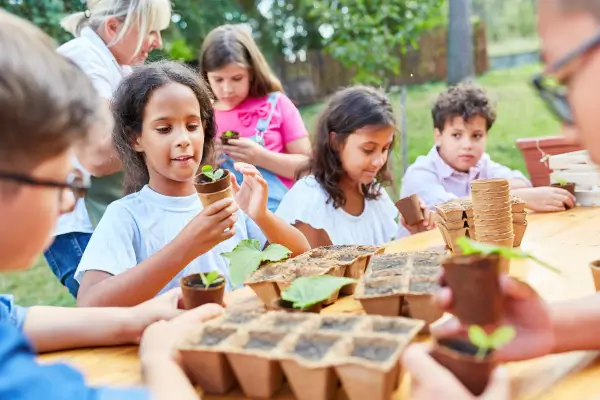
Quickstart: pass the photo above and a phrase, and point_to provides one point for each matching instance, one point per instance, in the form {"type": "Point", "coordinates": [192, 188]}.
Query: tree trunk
{"type": "Point", "coordinates": [460, 57]}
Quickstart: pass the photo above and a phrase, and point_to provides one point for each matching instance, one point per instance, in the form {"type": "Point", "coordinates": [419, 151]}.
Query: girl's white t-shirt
{"type": "Point", "coordinates": [93, 57]}
{"type": "Point", "coordinates": [307, 202]}
{"type": "Point", "coordinates": [138, 225]}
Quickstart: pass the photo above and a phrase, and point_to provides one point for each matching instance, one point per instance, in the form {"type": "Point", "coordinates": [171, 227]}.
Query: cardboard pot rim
{"type": "Point", "coordinates": [182, 283]}
{"type": "Point", "coordinates": [212, 187]}
{"type": "Point", "coordinates": [440, 347]}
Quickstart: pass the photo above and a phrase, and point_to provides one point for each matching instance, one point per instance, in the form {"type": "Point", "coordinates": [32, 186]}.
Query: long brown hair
{"type": "Point", "coordinates": [228, 44]}
{"type": "Point", "coordinates": [347, 111]}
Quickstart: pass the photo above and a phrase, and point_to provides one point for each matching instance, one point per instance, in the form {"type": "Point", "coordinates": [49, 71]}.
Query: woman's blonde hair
{"type": "Point", "coordinates": [149, 15]}
{"type": "Point", "coordinates": [228, 44]}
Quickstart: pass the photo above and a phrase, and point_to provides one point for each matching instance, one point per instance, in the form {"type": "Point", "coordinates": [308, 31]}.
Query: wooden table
{"type": "Point", "coordinates": [569, 240]}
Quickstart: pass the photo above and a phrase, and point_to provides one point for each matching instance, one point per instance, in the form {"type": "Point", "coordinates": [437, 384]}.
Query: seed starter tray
{"type": "Point", "coordinates": [402, 284]}
{"type": "Point", "coordinates": [339, 260]}
{"type": "Point", "coordinates": [314, 353]}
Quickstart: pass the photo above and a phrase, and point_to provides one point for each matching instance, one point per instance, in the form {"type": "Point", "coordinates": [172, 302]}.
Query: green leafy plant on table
{"type": "Point", "coordinates": [484, 342]}
{"type": "Point", "coordinates": [213, 175]}
{"type": "Point", "coordinates": [247, 256]}
{"type": "Point", "coordinates": [470, 247]}
{"type": "Point", "coordinates": [306, 291]}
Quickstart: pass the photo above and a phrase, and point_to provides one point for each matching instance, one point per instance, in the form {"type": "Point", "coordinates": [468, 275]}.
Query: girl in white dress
{"type": "Point", "coordinates": [341, 199]}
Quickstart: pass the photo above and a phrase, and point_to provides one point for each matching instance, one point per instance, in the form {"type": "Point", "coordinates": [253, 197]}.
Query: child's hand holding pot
{"type": "Point", "coordinates": [427, 224]}
{"type": "Point", "coordinates": [432, 381]}
{"type": "Point", "coordinates": [253, 194]}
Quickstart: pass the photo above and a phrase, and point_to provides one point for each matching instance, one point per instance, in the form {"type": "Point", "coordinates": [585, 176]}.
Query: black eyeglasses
{"type": "Point", "coordinates": [76, 183]}
{"type": "Point", "coordinates": [555, 96]}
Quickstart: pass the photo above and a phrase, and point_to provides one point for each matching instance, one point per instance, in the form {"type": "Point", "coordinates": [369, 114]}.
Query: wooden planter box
{"type": "Point", "coordinates": [553, 145]}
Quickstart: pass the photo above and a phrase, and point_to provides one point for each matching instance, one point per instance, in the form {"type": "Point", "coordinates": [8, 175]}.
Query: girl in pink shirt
{"type": "Point", "coordinates": [251, 103]}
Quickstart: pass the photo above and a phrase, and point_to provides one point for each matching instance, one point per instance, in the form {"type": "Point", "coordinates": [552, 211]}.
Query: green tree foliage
{"type": "Point", "coordinates": [368, 35]}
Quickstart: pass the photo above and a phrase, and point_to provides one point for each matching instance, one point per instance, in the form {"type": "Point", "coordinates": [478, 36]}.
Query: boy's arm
{"type": "Point", "coordinates": [61, 328]}
{"type": "Point", "coordinates": [516, 178]}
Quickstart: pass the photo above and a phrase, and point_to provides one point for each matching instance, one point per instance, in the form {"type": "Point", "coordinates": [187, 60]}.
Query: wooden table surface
{"type": "Point", "coordinates": [569, 240]}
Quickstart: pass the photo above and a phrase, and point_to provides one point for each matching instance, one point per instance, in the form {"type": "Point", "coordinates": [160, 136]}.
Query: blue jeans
{"type": "Point", "coordinates": [64, 256]}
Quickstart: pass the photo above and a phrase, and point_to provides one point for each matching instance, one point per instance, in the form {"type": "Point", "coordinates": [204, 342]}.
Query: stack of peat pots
{"type": "Point", "coordinates": [477, 300]}
{"type": "Point", "coordinates": [492, 214]}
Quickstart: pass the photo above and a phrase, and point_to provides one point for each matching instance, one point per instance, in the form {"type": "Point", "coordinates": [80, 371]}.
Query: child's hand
{"type": "Point", "coordinates": [546, 198]}
{"type": "Point", "coordinates": [215, 224]}
{"type": "Point", "coordinates": [163, 307]}
{"type": "Point", "coordinates": [159, 339]}
{"type": "Point", "coordinates": [253, 195]}
{"type": "Point", "coordinates": [244, 150]}
{"type": "Point", "coordinates": [426, 225]}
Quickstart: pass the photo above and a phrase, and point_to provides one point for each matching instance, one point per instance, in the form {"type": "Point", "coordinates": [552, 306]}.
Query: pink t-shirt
{"type": "Point", "coordinates": [286, 124]}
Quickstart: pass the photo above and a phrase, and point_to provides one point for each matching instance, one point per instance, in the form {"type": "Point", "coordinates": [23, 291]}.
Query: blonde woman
{"type": "Point", "coordinates": [110, 36]}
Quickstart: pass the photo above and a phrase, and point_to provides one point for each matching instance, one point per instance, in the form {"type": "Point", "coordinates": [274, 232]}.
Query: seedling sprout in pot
{"type": "Point", "coordinates": [470, 361]}
{"type": "Point", "coordinates": [213, 185]}
{"type": "Point", "coordinates": [199, 289]}
{"type": "Point", "coordinates": [247, 257]}
{"type": "Point", "coordinates": [307, 291]}
{"type": "Point", "coordinates": [229, 135]}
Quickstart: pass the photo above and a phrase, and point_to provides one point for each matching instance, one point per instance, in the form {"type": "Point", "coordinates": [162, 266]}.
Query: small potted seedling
{"type": "Point", "coordinates": [200, 288]}
{"type": "Point", "coordinates": [247, 257]}
{"type": "Point", "coordinates": [227, 135]}
{"type": "Point", "coordinates": [307, 293]}
{"type": "Point", "coordinates": [473, 278]}
{"type": "Point", "coordinates": [563, 184]}
{"type": "Point", "coordinates": [410, 208]}
{"type": "Point", "coordinates": [471, 361]}
{"type": "Point", "coordinates": [213, 185]}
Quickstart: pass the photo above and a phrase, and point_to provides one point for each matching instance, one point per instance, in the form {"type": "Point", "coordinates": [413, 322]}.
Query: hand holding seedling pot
{"type": "Point", "coordinates": [212, 185]}
{"type": "Point", "coordinates": [410, 208]}
{"type": "Point", "coordinates": [473, 279]}
{"type": "Point", "coordinates": [199, 289]}
{"type": "Point", "coordinates": [307, 293]}
{"type": "Point", "coordinates": [563, 184]}
{"type": "Point", "coordinates": [226, 136]}
{"type": "Point", "coordinates": [471, 361]}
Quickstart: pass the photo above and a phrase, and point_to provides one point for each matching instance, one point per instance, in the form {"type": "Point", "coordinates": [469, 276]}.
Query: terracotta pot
{"type": "Point", "coordinates": [196, 294]}
{"type": "Point", "coordinates": [475, 288]}
{"type": "Point", "coordinates": [211, 192]}
{"type": "Point", "coordinates": [229, 135]}
{"type": "Point", "coordinates": [458, 356]}
{"type": "Point", "coordinates": [410, 208]}
{"type": "Point", "coordinates": [282, 305]}
{"type": "Point", "coordinates": [595, 268]}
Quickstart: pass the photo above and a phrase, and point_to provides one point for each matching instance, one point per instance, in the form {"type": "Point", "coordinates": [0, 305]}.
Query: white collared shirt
{"type": "Point", "coordinates": [93, 57]}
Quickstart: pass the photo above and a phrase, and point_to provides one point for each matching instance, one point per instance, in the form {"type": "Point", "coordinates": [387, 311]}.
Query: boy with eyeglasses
{"type": "Point", "coordinates": [41, 116]}
{"type": "Point", "coordinates": [570, 34]}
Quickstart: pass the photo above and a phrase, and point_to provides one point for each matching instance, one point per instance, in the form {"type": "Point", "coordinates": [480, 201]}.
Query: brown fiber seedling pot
{"type": "Point", "coordinates": [211, 192]}
{"type": "Point", "coordinates": [196, 294]}
{"type": "Point", "coordinates": [474, 281]}
{"type": "Point", "coordinates": [225, 139]}
{"type": "Point", "coordinates": [595, 268]}
{"type": "Point", "coordinates": [283, 305]}
{"type": "Point", "coordinates": [569, 187]}
{"type": "Point", "coordinates": [458, 356]}
{"type": "Point", "coordinates": [410, 208]}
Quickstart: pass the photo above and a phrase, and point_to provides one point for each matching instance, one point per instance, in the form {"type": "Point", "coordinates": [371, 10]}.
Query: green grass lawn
{"type": "Point", "coordinates": [520, 114]}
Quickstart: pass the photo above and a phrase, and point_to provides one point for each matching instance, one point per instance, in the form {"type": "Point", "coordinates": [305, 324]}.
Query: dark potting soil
{"type": "Point", "coordinates": [240, 318]}
{"type": "Point", "coordinates": [461, 346]}
{"type": "Point", "coordinates": [393, 327]}
{"type": "Point", "coordinates": [431, 260]}
{"type": "Point", "coordinates": [388, 262]}
{"type": "Point", "coordinates": [382, 287]}
{"type": "Point", "coordinates": [338, 324]}
{"type": "Point", "coordinates": [197, 283]}
{"type": "Point", "coordinates": [289, 321]}
{"type": "Point", "coordinates": [374, 352]}
{"type": "Point", "coordinates": [426, 271]}
{"type": "Point", "coordinates": [263, 342]}
{"type": "Point", "coordinates": [212, 337]}
{"type": "Point", "coordinates": [313, 349]}
{"type": "Point", "coordinates": [388, 272]}
{"type": "Point", "coordinates": [423, 287]}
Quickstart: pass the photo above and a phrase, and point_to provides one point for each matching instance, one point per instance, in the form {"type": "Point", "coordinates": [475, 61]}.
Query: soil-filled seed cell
{"type": "Point", "coordinates": [338, 324]}
{"type": "Point", "coordinates": [382, 287]}
{"type": "Point", "coordinates": [388, 261]}
{"type": "Point", "coordinates": [240, 318]}
{"type": "Point", "coordinates": [263, 340]}
{"type": "Point", "coordinates": [313, 348]}
{"type": "Point", "coordinates": [213, 336]}
{"type": "Point", "coordinates": [426, 271]}
{"type": "Point", "coordinates": [394, 327]}
{"type": "Point", "coordinates": [289, 321]}
{"type": "Point", "coordinates": [377, 351]}
{"type": "Point", "coordinates": [423, 286]}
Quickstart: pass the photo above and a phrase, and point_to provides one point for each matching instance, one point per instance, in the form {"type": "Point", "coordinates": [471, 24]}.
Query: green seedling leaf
{"type": "Point", "coordinates": [502, 336]}
{"type": "Point", "coordinates": [561, 181]}
{"type": "Point", "coordinates": [309, 290]}
{"type": "Point", "coordinates": [247, 256]}
{"type": "Point", "coordinates": [211, 278]}
{"type": "Point", "coordinates": [218, 174]}
{"type": "Point", "coordinates": [478, 337]}
{"type": "Point", "coordinates": [470, 247]}
{"type": "Point", "coordinates": [230, 134]}
{"type": "Point", "coordinates": [213, 175]}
